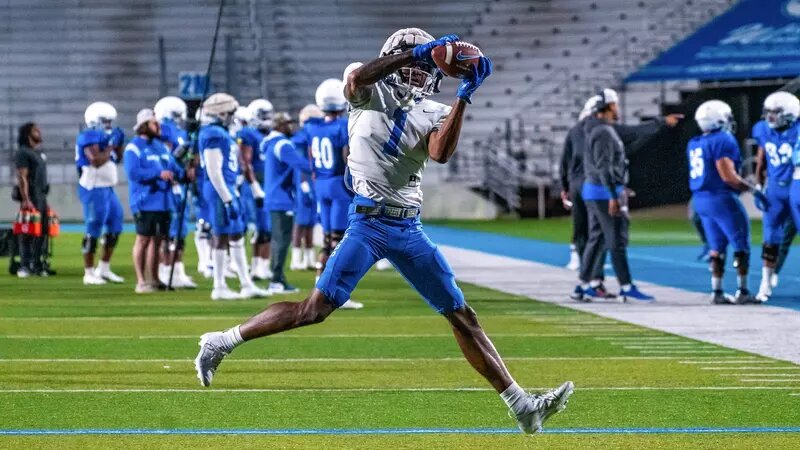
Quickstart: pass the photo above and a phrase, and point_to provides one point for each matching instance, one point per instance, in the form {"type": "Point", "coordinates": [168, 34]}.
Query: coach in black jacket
{"type": "Point", "coordinates": [634, 138]}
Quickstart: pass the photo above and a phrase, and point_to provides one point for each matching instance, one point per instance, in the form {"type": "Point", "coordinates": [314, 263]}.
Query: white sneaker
{"type": "Point", "coordinates": [209, 357]}
{"type": "Point", "coordinates": [544, 406]}
{"type": "Point", "coordinates": [773, 281]}
{"type": "Point", "coordinates": [23, 273]}
{"type": "Point", "coordinates": [282, 288]}
{"type": "Point", "coordinates": [107, 275]}
{"type": "Point", "coordinates": [351, 304]}
{"type": "Point", "coordinates": [383, 264]}
{"type": "Point", "coordinates": [91, 279]}
{"type": "Point", "coordinates": [224, 293]}
{"type": "Point", "coordinates": [254, 291]}
{"type": "Point", "coordinates": [144, 289]}
{"type": "Point", "coordinates": [574, 261]}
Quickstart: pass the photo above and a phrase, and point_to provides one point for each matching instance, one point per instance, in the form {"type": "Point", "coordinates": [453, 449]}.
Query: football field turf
{"type": "Point", "coordinates": [88, 367]}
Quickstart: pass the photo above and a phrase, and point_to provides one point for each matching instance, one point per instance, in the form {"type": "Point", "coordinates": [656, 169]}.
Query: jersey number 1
{"type": "Point", "coordinates": [391, 146]}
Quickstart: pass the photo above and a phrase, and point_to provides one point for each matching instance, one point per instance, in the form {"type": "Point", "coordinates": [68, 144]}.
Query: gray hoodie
{"type": "Point", "coordinates": [604, 157]}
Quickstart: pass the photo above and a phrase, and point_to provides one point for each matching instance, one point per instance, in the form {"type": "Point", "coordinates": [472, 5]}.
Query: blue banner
{"type": "Point", "coordinates": [754, 39]}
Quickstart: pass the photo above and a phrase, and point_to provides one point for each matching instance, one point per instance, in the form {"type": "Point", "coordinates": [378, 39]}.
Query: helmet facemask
{"type": "Point", "coordinates": [777, 118]}
{"type": "Point", "coordinates": [418, 80]}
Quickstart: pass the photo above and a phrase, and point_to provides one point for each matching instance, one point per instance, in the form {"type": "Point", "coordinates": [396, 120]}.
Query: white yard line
{"type": "Point", "coordinates": [337, 390]}
{"type": "Point", "coordinates": [765, 330]}
{"type": "Point", "coordinates": [776, 375]}
{"type": "Point", "coordinates": [750, 368]}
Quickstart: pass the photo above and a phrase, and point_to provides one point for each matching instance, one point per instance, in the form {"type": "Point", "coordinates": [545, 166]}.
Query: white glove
{"type": "Point", "coordinates": [305, 187]}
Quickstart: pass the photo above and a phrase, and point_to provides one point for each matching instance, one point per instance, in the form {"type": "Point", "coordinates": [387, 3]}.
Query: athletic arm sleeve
{"type": "Point", "coordinates": [133, 167]}
{"type": "Point", "coordinates": [213, 158]}
{"type": "Point", "coordinates": [287, 153]}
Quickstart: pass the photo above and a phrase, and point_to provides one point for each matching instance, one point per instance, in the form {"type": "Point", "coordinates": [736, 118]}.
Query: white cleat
{"type": "Point", "coordinates": [574, 261]}
{"type": "Point", "coordinates": [383, 264]}
{"type": "Point", "coordinates": [544, 406]}
{"type": "Point", "coordinates": [773, 281]}
{"type": "Point", "coordinates": [108, 275]}
{"type": "Point", "coordinates": [91, 279]}
{"type": "Point", "coordinates": [351, 304]}
{"type": "Point", "coordinates": [224, 293]}
{"type": "Point", "coordinates": [145, 288]}
{"type": "Point", "coordinates": [254, 291]}
{"type": "Point", "coordinates": [209, 357]}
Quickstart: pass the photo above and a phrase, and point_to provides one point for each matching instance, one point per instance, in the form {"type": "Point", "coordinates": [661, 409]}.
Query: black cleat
{"type": "Point", "coordinates": [721, 298]}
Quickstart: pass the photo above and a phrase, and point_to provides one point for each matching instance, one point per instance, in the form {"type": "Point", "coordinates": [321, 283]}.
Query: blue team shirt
{"type": "Point", "coordinates": [778, 146]}
{"type": "Point", "coordinates": [87, 138]}
{"type": "Point", "coordinates": [281, 160]}
{"type": "Point", "coordinates": [251, 137]}
{"type": "Point", "coordinates": [703, 153]}
{"type": "Point", "coordinates": [144, 160]}
{"type": "Point", "coordinates": [325, 141]}
{"type": "Point", "coordinates": [215, 136]}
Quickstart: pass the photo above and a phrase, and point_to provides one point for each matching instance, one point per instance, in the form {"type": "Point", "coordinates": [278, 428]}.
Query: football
{"type": "Point", "coordinates": [456, 58]}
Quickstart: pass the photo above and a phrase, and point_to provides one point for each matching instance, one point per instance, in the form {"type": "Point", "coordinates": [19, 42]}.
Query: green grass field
{"type": "Point", "coordinates": [74, 357]}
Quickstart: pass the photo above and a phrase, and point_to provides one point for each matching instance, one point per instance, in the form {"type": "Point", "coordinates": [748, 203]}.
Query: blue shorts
{"type": "Point", "coordinates": [219, 222]}
{"type": "Point", "coordinates": [175, 212]}
{"type": "Point", "coordinates": [248, 203]}
{"type": "Point", "coordinates": [406, 245]}
{"type": "Point", "coordinates": [101, 209]}
{"type": "Point", "coordinates": [724, 220]}
{"type": "Point", "coordinates": [778, 213]}
{"type": "Point", "coordinates": [333, 202]}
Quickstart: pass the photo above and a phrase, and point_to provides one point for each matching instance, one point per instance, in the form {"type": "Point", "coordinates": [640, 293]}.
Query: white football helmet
{"type": "Point", "coordinates": [603, 99]}
{"type": "Point", "coordinates": [714, 115]}
{"type": "Point", "coordinates": [310, 111]}
{"type": "Point", "coordinates": [781, 109]}
{"type": "Point", "coordinates": [172, 108]}
{"type": "Point", "coordinates": [588, 107]}
{"type": "Point", "coordinates": [261, 111]}
{"type": "Point", "coordinates": [241, 118]}
{"type": "Point", "coordinates": [418, 80]}
{"type": "Point", "coordinates": [100, 115]}
{"type": "Point", "coordinates": [219, 108]}
{"type": "Point", "coordinates": [330, 96]}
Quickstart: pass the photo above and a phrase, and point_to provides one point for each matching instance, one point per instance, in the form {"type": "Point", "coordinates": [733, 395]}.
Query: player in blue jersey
{"type": "Point", "coordinates": [393, 131]}
{"type": "Point", "coordinates": [714, 162]}
{"type": "Point", "coordinates": [220, 156]}
{"type": "Point", "coordinates": [171, 114]}
{"type": "Point", "coordinates": [305, 207]}
{"type": "Point", "coordinates": [98, 148]}
{"type": "Point", "coordinates": [776, 142]}
{"type": "Point", "coordinates": [260, 114]}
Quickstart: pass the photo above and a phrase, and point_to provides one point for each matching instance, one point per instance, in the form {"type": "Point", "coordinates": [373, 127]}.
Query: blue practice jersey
{"type": "Point", "coordinates": [87, 138]}
{"type": "Point", "coordinates": [778, 146]}
{"type": "Point", "coordinates": [703, 153]}
{"type": "Point", "coordinates": [325, 141]}
{"type": "Point", "coordinates": [251, 137]}
{"type": "Point", "coordinates": [217, 137]}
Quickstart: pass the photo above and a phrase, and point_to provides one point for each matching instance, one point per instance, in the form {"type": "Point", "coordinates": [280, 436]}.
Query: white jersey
{"type": "Point", "coordinates": [389, 145]}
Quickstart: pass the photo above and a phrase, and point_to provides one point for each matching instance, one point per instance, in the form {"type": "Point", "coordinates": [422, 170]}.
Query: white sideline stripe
{"type": "Point", "coordinates": [787, 375]}
{"type": "Point", "coordinates": [335, 390]}
{"type": "Point", "coordinates": [733, 361]}
{"type": "Point", "coordinates": [689, 351]}
{"type": "Point", "coordinates": [767, 380]}
{"type": "Point", "coordinates": [750, 368]}
{"type": "Point", "coordinates": [359, 360]}
{"type": "Point", "coordinates": [668, 347]}
{"type": "Point", "coordinates": [648, 338]}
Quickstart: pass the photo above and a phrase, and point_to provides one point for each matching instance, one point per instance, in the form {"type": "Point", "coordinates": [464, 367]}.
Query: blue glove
{"type": "Point", "coordinates": [422, 52]}
{"type": "Point", "coordinates": [761, 200]}
{"type": "Point", "coordinates": [471, 83]}
{"type": "Point", "coordinates": [231, 211]}
{"type": "Point", "coordinates": [116, 137]}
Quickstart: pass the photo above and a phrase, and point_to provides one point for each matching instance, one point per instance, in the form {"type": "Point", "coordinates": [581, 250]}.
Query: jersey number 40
{"type": "Point", "coordinates": [322, 152]}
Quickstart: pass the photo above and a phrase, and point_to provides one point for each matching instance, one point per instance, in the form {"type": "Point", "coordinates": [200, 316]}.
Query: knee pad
{"type": "Point", "coordinates": [769, 253]}
{"type": "Point", "coordinates": [110, 240]}
{"type": "Point", "coordinates": [263, 237]}
{"type": "Point", "coordinates": [741, 260]}
{"type": "Point", "coordinates": [89, 245]}
{"type": "Point", "coordinates": [717, 263]}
